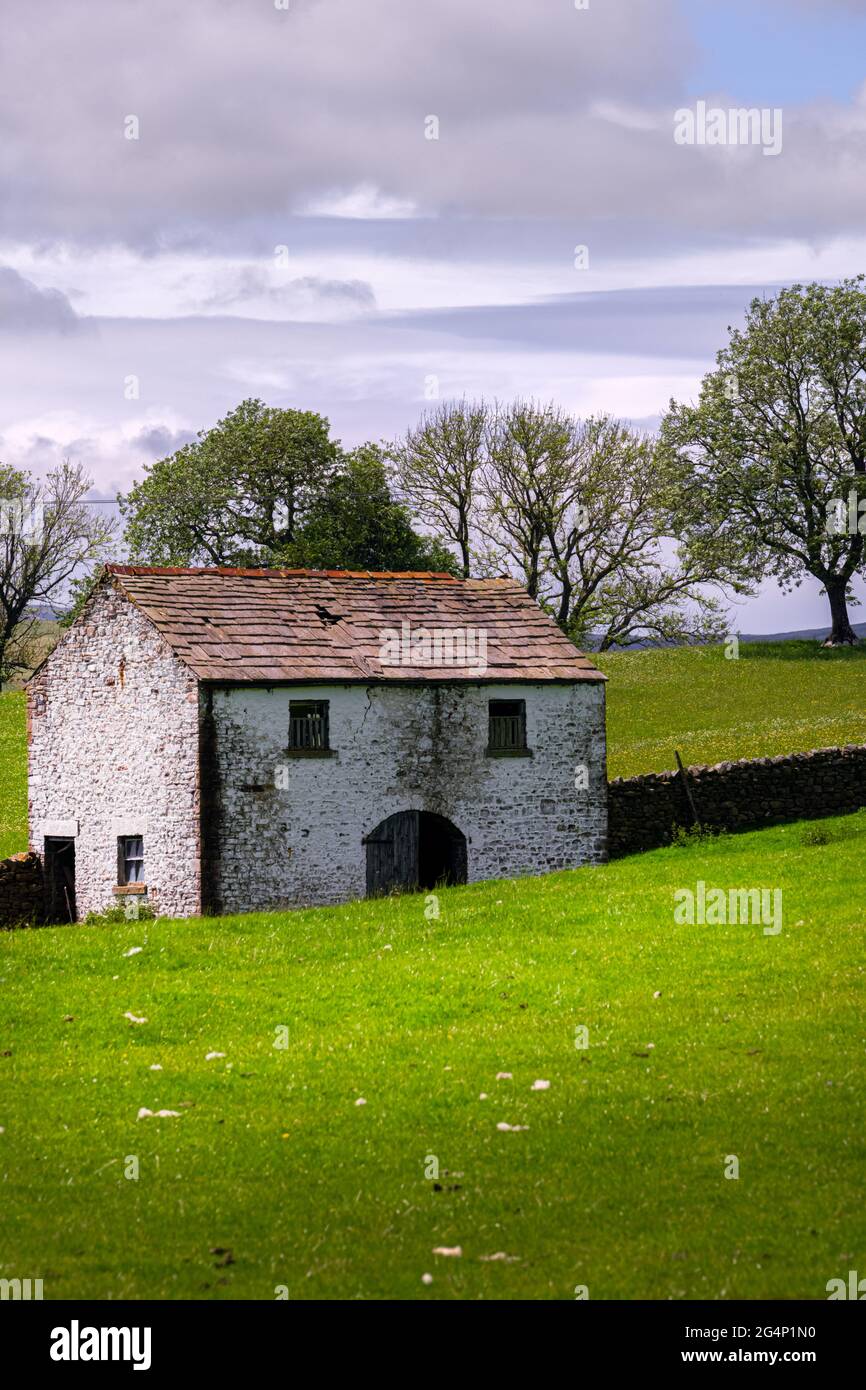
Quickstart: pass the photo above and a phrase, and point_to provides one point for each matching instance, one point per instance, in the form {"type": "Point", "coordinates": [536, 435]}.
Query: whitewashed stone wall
{"type": "Point", "coordinates": [113, 731]}
{"type": "Point", "coordinates": [398, 749]}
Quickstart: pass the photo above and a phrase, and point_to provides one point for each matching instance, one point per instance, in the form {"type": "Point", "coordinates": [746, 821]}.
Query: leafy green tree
{"type": "Point", "coordinates": [770, 464]}
{"type": "Point", "coordinates": [355, 524]}
{"type": "Point", "coordinates": [269, 487]}
{"type": "Point", "coordinates": [237, 495]}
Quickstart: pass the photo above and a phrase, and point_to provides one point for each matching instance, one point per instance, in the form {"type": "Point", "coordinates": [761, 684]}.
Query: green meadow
{"type": "Point", "coordinates": [668, 1049]}
{"type": "Point", "coordinates": [777, 697]}
{"type": "Point", "coordinates": [353, 1089]}
{"type": "Point", "coordinates": [13, 774]}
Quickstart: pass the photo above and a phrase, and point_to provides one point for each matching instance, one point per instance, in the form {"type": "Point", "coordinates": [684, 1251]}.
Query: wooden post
{"type": "Point", "coordinates": [688, 790]}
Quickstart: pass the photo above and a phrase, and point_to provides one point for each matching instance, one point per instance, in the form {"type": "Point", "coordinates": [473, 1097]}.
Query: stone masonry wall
{"type": "Point", "coordinates": [396, 749]}
{"type": "Point", "coordinates": [113, 751]}
{"type": "Point", "coordinates": [21, 891]}
{"type": "Point", "coordinates": [736, 796]}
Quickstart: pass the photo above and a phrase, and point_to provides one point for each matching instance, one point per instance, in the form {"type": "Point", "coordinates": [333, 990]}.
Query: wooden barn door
{"type": "Point", "coordinates": [60, 880]}
{"type": "Point", "coordinates": [392, 854]}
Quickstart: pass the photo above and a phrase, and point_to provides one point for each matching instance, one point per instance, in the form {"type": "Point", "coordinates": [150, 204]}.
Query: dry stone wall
{"type": "Point", "coordinates": [21, 891]}
{"type": "Point", "coordinates": [736, 796]}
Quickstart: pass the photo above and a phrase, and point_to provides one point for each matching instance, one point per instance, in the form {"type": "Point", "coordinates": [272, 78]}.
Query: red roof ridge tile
{"type": "Point", "coordinates": [236, 572]}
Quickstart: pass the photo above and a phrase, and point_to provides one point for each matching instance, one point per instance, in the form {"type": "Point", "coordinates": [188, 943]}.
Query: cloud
{"type": "Point", "coordinates": [24, 308]}
{"type": "Point", "coordinates": [249, 289]}
{"type": "Point", "coordinates": [363, 204]}
{"type": "Point", "coordinates": [158, 441]}
{"type": "Point", "coordinates": [410, 259]}
{"type": "Point", "coordinates": [247, 114]}
{"type": "Point", "coordinates": [673, 323]}
{"type": "Point", "coordinates": [85, 431]}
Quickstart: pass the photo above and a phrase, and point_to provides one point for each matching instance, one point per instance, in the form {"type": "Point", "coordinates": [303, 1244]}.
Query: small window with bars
{"type": "Point", "coordinates": [308, 726]}
{"type": "Point", "coordinates": [507, 726]}
{"type": "Point", "coordinates": [130, 859]}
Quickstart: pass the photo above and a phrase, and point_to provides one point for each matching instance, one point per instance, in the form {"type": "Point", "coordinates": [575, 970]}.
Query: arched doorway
{"type": "Point", "coordinates": [414, 850]}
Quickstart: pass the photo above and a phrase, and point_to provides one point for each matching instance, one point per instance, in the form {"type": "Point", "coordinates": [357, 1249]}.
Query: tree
{"type": "Point", "coordinates": [530, 479]}
{"type": "Point", "coordinates": [268, 487]}
{"type": "Point", "coordinates": [236, 496]}
{"type": "Point", "coordinates": [436, 468]}
{"type": "Point", "coordinates": [79, 592]}
{"type": "Point", "coordinates": [578, 511]}
{"type": "Point", "coordinates": [586, 504]}
{"type": "Point", "coordinates": [771, 462]}
{"type": "Point", "coordinates": [48, 536]}
{"type": "Point", "coordinates": [355, 524]}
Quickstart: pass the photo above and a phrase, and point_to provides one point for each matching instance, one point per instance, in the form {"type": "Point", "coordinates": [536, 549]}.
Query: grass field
{"type": "Point", "coordinates": [13, 774]}
{"type": "Point", "coordinates": [782, 697]}
{"type": "Point", "coordinates": [703, 1042]}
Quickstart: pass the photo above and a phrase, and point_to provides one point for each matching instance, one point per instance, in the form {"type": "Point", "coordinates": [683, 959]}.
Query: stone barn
{"type": "Point", "coordinates": [229, 740]}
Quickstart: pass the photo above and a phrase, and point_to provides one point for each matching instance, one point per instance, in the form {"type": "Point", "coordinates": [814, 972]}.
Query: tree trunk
{"type": "Point", "coordinates": [463, 541]}
{"type": "Point", "coordinates": [564, 613]}
{"type": "Point", "coordinates": [842, 630]}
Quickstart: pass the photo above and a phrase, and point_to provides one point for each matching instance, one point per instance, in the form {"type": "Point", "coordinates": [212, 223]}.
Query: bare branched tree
{"type": "Point", "coordinates": [613, 568]}
{"type": "Point", "coordinates": [530, 480]}
{"type": "Point", "coordinates": [578, 510]}
{"type": "Point", "coordinates": [48, 536]}
{"type": "Point", "coordinates": [435, 472]}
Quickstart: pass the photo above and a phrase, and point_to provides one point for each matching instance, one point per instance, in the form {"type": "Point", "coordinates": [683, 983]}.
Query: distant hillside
{"type": "Point", "coordinates": [805, 634]}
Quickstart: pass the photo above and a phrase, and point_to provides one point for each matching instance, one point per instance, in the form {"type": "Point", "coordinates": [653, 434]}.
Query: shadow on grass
{"type": "Point", "coordinates": [845, 826]}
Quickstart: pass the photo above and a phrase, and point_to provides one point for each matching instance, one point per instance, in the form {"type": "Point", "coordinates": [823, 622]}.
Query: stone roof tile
{"type": "Point", "coordinates": [266, 626]}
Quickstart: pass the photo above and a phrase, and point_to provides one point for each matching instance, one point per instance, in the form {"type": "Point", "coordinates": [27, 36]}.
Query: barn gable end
{"type": "Point", "coordinates": [113, 752]}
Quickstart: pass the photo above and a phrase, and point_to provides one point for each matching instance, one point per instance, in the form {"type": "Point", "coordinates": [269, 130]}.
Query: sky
{"type": "Point", "coordinates": [360, 207]}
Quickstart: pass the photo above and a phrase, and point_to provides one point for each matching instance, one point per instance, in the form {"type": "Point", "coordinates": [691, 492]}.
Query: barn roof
{"type": "Point", "coordinates": [266, 626]}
